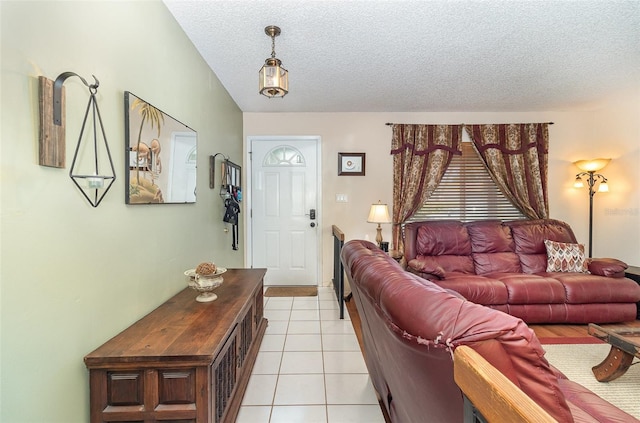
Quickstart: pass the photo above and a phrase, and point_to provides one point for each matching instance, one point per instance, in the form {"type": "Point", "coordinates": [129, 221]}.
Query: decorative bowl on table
{"type": "Point", "coordinates": [205, 284]}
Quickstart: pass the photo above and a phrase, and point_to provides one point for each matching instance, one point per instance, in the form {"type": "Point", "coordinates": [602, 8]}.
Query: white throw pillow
{"type": "Point", "coordinates": [565, 257]}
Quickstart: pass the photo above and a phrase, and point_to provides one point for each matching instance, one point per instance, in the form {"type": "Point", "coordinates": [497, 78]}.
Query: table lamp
{"type": "Point", "coordinates": [379, 213]}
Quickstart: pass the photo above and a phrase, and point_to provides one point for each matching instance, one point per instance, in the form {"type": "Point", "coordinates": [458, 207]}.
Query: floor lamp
{"type": "Point", "coordinates": [589, 169]}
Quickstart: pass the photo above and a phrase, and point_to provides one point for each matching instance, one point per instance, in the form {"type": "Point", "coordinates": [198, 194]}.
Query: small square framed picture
{"type": "Point", "coordinates": [351, 164]}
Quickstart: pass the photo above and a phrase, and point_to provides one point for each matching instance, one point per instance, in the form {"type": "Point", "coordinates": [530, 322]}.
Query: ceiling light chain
{"type": "Point", "coordinates": [273, 45]}
{"type": "Point", "coordinates": [274, 78]}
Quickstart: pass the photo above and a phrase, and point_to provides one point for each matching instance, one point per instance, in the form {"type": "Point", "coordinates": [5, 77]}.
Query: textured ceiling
{"type": "Point", "coordinates": [421, 56]}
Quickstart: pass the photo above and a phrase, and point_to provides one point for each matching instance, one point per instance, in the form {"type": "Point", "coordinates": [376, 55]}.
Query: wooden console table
{"type": "Point", "coordinates": [185, 361]}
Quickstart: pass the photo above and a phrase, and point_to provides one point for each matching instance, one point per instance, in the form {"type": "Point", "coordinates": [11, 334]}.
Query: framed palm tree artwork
{"type": "Point", "coordinates": [160, 155]}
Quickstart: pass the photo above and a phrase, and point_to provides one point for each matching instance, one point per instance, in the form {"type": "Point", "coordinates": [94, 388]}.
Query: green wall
{"type": "Point", "coordinates": [73, 276]}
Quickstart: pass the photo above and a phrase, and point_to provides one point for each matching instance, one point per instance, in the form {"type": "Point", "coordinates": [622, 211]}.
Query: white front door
{"type": "Point", "coordinates": [284, 210]}
{"type": "Point", "coordinates": [181, 186]}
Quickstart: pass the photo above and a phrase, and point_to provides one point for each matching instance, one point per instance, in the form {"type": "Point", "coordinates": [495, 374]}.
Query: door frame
{"type": "Point", "coordinates": [248, 222]}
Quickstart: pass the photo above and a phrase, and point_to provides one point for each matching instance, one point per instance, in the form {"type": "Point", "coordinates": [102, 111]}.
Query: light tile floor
{"type": "Point", "coordinates": [309, 368]}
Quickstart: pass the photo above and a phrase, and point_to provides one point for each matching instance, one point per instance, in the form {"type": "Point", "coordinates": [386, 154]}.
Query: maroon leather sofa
{"type": "Point", "coordinates": [411, 327]}
{"type": "Point", "coordinates": [503, 265]}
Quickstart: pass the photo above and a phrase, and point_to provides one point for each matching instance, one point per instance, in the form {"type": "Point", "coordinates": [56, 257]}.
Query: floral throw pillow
{"type": "Point", "coordinates": [565, 257]}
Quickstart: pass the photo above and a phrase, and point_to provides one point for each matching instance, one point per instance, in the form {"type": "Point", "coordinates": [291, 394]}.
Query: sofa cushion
{"type": "Point", "coordinates": [524, 288]}
{"type": "Point", "coordinates": [492, 247]}
{"type": "Point", "coordinates": [489, 236]}
{"type": "Point", "coordinates": [565, 257]}
{"type": "Point", "coordinates": [477, 289]}
{"type": "Point", "coordinates": [582, 288]}
{"type": "Point", "coordinates": [443, 238]}
{"type": "Point", "coordinates": [533, 263]}
{"type": "Point", "coordinates": [496, 262]}
{"type": "Point", "coordinates": [528, 237]}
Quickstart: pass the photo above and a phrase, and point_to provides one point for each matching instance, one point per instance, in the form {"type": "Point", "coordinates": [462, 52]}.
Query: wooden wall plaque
{"type": "Point", "coordinates": [52, 136]}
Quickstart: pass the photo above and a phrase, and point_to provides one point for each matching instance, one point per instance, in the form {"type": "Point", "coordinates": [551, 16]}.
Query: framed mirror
{"type": "Point", "coordinates": [160, 155]}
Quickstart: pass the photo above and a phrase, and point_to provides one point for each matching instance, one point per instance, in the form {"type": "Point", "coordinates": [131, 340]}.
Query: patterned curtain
{"type": "Point", "coordinates": [516, 157]}
{"type": "Point", "coordinates": [421, 154]}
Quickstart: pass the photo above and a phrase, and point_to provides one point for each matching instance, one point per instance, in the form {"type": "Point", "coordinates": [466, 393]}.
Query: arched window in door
{"type": "Point", "coordinates": [284, 155]}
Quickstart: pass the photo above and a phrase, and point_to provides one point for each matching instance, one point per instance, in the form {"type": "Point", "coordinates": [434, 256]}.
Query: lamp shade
{"type": "Point", "coordinates": [379, 213]}
{"type": "Point", "coordinates": [592, 165]}
{"type": "Point", "coordinates": [603, 187]}
{"type": "Point", "coordinates": [578, 183]}
{"type": "Point", "coordinates": [274, 79]}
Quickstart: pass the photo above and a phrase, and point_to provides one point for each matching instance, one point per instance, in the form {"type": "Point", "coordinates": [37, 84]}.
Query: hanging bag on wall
{"type": "Point", "coordinates": [232, 209]}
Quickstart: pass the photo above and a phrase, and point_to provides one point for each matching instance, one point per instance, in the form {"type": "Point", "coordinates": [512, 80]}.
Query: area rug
{"type": "Point", "coordinates": [570, 340]}
{"type": "Point", "coordinates": [291, 291]}
{"type": "Point", "coordinates": [576, 361]}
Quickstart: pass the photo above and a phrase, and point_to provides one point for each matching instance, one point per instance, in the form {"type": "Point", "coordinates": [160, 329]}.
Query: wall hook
{"type": "Point", "coordinates": [57, 93]}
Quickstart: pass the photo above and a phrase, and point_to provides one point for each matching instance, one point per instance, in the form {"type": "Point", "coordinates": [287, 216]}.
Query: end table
{"type": "Point", "coordinates": [633, 272]}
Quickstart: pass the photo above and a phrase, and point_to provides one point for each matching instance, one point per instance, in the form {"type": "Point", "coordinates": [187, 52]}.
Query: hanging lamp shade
{"type": "Point", "coordinates": [274, 78]}
{"type": "Point", "coordinates": [593, 165]}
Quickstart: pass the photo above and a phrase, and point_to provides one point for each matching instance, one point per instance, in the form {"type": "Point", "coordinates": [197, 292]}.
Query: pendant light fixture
{"type": "Point", "coordinates": [274, 79]}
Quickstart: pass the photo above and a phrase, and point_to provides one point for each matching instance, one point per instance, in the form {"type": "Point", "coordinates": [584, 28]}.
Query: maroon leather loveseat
{"type": "Point", "coordinates": [503, 265]}
{"type": "Point", "coordinates": [411, 327]}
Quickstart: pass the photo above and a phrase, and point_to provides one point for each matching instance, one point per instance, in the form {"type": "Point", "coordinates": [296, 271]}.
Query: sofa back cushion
{"type": "Point", "coordinates": [496, 263]}
{"type": "Point", "coordinates": [529, 237]}
{"type": "Point", "coordinates": [490, 236]}
{"type": "Point", "coordinates": [445, 237]}
{"type": "Point", "coordinates": [484, 247]}
{"type": "Point", "coordinates": [445, 243]}
{"type": "Point", "coordinates": [492, 248]}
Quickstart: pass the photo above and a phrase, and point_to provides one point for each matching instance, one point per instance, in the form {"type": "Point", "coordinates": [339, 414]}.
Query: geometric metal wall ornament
{"type": "Point", "coordinates": [90, 171]}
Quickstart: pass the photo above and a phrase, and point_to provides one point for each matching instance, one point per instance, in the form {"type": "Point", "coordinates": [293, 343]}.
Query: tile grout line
{"type": "Point", "coordinates": [286, 334]}
{"type": "Point", "coordinates": [324, 370]}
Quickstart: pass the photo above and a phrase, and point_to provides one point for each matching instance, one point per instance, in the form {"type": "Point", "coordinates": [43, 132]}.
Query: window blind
{"type": "Point", "coordinates": [467, 193]}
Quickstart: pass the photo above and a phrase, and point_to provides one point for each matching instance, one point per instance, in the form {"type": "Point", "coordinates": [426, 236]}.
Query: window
{"type": "Point", "coordinates": [284, 155]}
{"type": "Point", "coordinates": [467, 193]}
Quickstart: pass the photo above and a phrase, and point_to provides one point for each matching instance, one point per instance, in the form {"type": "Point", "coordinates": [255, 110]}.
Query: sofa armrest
{"type": "Point", "coordinates": [426, 267]}
{"type": "Point", "coordinates": [423, 275]}
{"type": "Point", "coordinates": [491, 392]}
{"type": "Point", "coordinates": [609, 267]}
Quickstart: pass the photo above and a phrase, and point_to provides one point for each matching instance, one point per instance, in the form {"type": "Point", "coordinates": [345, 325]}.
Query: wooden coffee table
{"type": "Point", "coordinates": [625, 345]}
